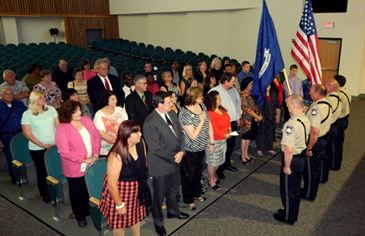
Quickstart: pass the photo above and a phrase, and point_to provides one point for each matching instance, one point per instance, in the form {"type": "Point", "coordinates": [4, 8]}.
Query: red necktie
{"type": "Point", "coordinates": [107, 85]}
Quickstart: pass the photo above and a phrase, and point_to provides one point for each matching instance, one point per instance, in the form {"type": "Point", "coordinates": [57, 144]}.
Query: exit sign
{"type": "Point", "coordinates": [329, 24]}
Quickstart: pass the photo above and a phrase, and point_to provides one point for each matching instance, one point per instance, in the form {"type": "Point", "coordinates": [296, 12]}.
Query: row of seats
{"type": "Point", "coordinates": [25, 172]}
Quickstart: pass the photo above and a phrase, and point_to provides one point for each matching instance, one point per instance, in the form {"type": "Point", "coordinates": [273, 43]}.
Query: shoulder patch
{"type": "Point", "coordinates": [289, 130]}
{"type": "Point", "coordinates": [314, 112]}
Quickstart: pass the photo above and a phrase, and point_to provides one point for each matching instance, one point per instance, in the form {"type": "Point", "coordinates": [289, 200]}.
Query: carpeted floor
{"type": "Point", "coordinates": [247, 208]}
{"type": "Point", "coordinates": [338, 210]}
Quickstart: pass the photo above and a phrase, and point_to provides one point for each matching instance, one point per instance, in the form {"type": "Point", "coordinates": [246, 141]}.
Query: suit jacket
{"type": "Point", "coordinates": [162, 143]}
{"type": "Point", "coordinates": [72, 148]}
{"type": "Point", "coordinates": [95, 89]}
{"type": "Point", "coordinates": [135, 107]}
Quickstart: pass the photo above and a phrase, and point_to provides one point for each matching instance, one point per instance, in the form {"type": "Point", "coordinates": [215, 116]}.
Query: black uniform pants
{"type": "Point", "coordinates": [312, 169]}
{"type": "Point", "coordinates": [231, 142]}
{"type": "Point", "coordinates": [326, 162]}
{"type": "Point", "coordinates": [191, 168]}
{"type": "Point", "coordinates": [40, 167]}
{"type": "Point", "coordinates": [290, 188]}
{"type": "Point", "coordinates": [338, 143]}
{"type": "Point", "coordinates": [79, 197]}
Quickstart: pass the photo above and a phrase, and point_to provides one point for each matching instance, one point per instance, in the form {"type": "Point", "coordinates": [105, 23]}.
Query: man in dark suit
{"type": "Point", "coordinates": [62, 75]}
{"type": "Point", "coordinates": [166, 147]}
{"type": "Point", "coordinates": [102, 82]}
{"type": "Point", "coordinates": [139, 102]}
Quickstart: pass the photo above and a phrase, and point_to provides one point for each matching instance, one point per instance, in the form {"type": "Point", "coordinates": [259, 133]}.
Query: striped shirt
{"type": "Point", "coordinates": [187, 118]}
{"type": "Point", "coordinates": [81, 89]}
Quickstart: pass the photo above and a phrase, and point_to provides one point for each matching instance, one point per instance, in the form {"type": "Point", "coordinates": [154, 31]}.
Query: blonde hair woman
{"type": "Point", "coordinates": [168, 85]}
{"type": "Point", "coordinates": [39, 125]}
{"type": "Point", "coordinates": [216, 67]}
{"type": "Point", "coordinates": [187, 73]}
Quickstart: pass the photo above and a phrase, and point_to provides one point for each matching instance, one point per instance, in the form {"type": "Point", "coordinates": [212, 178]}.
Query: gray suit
{"type": "Point", "coordinates": [163, 145]}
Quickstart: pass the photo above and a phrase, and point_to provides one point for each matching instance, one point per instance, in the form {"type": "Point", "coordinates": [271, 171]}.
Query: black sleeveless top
{"type": "Point", "coordinates": [139, 165]}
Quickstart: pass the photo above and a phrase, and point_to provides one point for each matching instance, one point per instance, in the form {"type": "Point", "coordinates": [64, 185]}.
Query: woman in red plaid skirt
{"type": "Point", "coordinates": [124, 192]}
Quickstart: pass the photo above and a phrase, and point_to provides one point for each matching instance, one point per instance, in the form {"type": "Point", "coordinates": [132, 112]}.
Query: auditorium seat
{"type": "Point", "coordinates": [57, 184]}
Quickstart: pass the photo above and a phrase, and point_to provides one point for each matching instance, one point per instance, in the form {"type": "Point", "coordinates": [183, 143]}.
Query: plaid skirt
{"type": "Point", "coordinates": [128, 191]}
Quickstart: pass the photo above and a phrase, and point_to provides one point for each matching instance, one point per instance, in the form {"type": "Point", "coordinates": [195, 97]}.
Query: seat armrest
{"type": "Point", "coordinates": [94, 200]}
{"type": "Point", "coordinates": [17, 163]}
{"type": "Point", "coordinates": [53, 180]}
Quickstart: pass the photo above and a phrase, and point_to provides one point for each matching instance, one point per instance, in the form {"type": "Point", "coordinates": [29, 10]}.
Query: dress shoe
{"type": "Point", "coordinates": [82, 223]}
{"type": "Point", "coordinates": [305, 198]}
{"type": "Point", "coordinates": [181, 216]}
{"type": "Point", "coordinates": [281, 212]}
{"type": "Point", "coordinates": [221, 176]}
{"type": "Point", "coordinates": [278, 217]}
{"type": "Point", "coordinates": [231, 168]}
{"type": "Point", "coordinates": [71, 216]}
{"type": "Point", "coordinates": [46, 199]}
{"type": "Point", "coordinates": [160, 230]}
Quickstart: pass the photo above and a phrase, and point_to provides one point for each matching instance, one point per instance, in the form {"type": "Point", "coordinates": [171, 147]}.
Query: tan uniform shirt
{"type": "Point", "coordinates": [317, 113]}
{"type": "Point", "coordinates": [336, 104]}
{"type": "Point", "coordinates": [346, 101]}
{"type": "Point", "coordinates": [294, 135]}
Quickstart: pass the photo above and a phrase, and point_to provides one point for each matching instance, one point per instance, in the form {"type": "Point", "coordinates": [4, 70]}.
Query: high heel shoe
{"type": "Point", "coordinates": [193, 208]}
{"type": "Point", "coordinates": [250, 160]}
{"type": "Point", "coordinates": [246, 163]}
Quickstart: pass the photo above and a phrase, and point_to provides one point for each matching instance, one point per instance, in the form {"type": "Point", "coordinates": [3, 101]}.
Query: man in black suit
{"type": "Point", "coordinates": [62, 75]}
{"type": "Point", "coordinates": [101, 82]}
{"type": "Point", "coordinates": [166, 147]}
{"type": "Point", "coordinates": [139, 102]}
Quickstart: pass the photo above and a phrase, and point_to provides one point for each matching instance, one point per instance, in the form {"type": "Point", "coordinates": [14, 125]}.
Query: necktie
{"type": "Point", "coordinates": [171, 125]}
{"type": "Point", "coordinates": [106, 85]}
{"type": "Point", "coordinates": [144, 100]}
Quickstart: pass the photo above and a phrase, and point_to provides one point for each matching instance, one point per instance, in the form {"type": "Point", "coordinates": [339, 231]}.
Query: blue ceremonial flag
{"type": "Point", "coordinates": [268, 61]}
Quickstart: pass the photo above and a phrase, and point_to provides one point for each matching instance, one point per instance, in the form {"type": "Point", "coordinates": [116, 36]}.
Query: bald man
{"type": "Point", "coordinates": [112, 70]}
{"type": "Point", "coordinates": [62, 75]}
{"type": "Point", "coordinates": [11, 115]}
{"type": "Point", "coordinates": [320, 116]}
{"type": "Point", "coordinates": [293, 145]}
{"type": "Point", "coordinates": [333, 97]}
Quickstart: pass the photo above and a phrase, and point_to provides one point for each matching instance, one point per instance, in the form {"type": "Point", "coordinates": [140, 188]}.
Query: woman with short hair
{"type": "Point", "coordinates": [33, 77]}
{"type": "Point", "coordinates": [194, 119]}
{"type": "Point", "coordinates": [78, 142]}
{"type": "Point", "coordinates": [108, 119]}
{"type": "Point", "coordinates": [87, 71]}
{"type": "Point", "coordinates": [168, 85]}
{"type": "Point", "coordinates": [39, 124]}
{"type": "Point", "coordinates": [80, 85]}
{"type": "Point", "coordinates": [50, 89]}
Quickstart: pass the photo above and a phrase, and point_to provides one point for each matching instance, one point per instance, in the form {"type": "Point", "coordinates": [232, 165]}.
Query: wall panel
{"type": "Point", "coordinates": [70, 7]}
{"type": "Point", "coordinates": [77, 28]}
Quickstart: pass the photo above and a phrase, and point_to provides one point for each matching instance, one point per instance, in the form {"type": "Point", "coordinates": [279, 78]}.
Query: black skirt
{"type": "Point", "coordinates": [252, 133]}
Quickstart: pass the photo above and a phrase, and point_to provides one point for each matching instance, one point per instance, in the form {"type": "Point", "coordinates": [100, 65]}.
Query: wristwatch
{"type": "Point", "coordinates": [308, 149]}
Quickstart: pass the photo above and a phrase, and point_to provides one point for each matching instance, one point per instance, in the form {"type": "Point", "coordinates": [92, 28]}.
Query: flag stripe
{"type": "Point", "coordinates": [305, 46]}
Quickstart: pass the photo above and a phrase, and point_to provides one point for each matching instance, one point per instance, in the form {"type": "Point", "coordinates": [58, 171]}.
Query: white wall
{"type": "Point", "coordinates": [36, 29]}
{"type": "Point", "coordinates": [121, 7]}
{"type": "Point", "coordinates": [234, 32]}
{"type": "Point", "coordinates": [10, 30]}
{"type": "Point", "coordinates": [2, 35]}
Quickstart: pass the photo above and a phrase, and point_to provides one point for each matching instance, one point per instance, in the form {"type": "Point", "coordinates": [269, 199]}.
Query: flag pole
{"type": "Point", "coordinates": [286, 81]}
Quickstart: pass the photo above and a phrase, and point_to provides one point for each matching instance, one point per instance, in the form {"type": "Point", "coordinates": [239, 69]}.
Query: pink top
{"type": "Point", "coordinates": [155, 88]}
{"type": "Point", "coordinates": [87, 76]}
{"type": "Point", "coordinates": [72, 148]}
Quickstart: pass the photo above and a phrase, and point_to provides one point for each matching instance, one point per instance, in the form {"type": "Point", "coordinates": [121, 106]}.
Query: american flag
{"type": "Point", "coordinates": [305, 46]}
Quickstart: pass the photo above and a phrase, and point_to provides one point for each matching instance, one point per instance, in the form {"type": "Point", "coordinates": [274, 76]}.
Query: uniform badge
{"type": "Point", "coordinates": [314, 112]}
{"type": "Point", "coordinates": [289, 130]}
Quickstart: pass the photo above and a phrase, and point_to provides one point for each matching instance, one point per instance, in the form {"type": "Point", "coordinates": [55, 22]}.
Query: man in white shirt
{"type": "Point", "coordinates": [128, 84]}
{"type": "Point", "coordinates": [231, 101]}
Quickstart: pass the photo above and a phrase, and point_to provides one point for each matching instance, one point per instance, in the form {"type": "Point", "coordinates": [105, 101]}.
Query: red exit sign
{"type": "Point", "coordinates": [329, 24]}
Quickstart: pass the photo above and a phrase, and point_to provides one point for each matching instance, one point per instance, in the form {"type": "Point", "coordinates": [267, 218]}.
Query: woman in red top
{"type": "Point", "coordinates": [221, 129]}
{"type": "Point", "coordinates": [278, 88]}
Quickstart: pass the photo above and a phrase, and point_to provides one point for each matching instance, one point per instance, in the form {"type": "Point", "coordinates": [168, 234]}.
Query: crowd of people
{"type": "Point", "coordinates": [171, 131]}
